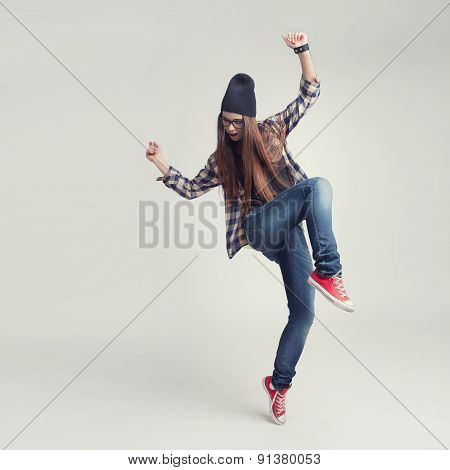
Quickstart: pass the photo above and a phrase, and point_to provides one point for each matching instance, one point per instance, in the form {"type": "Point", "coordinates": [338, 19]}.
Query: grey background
{"type": "Point", "coordinates": [186, 372]}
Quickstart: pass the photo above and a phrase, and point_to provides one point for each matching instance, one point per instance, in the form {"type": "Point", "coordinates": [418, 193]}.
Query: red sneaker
{"type": "Point", "coordinates": [277, 400]}
{"type": "Point", "coordinates": [333, 289]}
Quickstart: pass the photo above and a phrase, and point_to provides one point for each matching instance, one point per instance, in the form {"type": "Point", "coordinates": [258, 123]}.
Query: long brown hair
{"type": "Point", "coordinates": [260, 150]}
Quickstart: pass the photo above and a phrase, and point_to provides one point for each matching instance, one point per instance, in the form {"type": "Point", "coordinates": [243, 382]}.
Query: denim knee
{"type": "Point", "coordinates": [302, 307]}
{"type": "Point", "coordinates": [320, 182]}
{"type": "Point", "coordinates": [323, 191]}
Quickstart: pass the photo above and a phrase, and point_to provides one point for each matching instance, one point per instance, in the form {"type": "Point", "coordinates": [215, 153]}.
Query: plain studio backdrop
{"type": "Point", "coordinates": [108, 343]}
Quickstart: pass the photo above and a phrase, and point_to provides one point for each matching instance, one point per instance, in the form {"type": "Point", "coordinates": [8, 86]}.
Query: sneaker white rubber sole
{"type": "Point", "coordinates": [338, 303]}
{"type": "Point", "coordinates": [274, 418]}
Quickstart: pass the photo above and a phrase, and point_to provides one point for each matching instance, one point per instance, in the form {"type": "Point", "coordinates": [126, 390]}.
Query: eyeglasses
{"type": "Point", "coordinates": [237, 123]}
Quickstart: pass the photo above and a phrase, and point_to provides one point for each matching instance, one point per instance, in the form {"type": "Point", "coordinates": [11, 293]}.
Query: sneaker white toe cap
{"type": "Point", "coordinates": [281, 419]}
{"type": "Point", "coordinates": [349, 304]}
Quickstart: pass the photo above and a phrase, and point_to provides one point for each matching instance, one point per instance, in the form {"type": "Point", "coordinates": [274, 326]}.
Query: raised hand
{"type": "Point", "coordinates": [153, 152]}
{"type": "Point", "coordinates": [293, 40]}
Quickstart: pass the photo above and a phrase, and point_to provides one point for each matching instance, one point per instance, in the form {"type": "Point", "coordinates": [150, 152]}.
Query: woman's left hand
{"type": "Point", "coordinates": [295, 39]}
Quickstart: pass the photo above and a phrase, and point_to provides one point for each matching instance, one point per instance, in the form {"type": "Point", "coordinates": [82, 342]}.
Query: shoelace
{"type": "Point", "coordinates": [279, 403]}
{"type": "Point", "coordinates": [339, 283]}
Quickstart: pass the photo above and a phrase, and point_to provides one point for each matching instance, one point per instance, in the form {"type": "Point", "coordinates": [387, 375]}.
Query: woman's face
{"type": "Point", "coordinates": [233, 124]}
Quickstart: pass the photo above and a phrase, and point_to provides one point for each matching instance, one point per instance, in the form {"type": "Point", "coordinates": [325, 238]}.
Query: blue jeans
{"type": "Point", "coordinates": [275, 230]}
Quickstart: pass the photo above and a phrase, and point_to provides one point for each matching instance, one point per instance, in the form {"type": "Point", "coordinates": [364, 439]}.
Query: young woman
{"type": "Point", "coordinates": [267, 196]}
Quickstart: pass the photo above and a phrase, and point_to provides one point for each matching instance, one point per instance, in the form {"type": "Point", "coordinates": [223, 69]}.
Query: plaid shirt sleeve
{"type": "Point", "coordinates": [205, 180]}
{"type": "Point", "coordinates": [294, 111]}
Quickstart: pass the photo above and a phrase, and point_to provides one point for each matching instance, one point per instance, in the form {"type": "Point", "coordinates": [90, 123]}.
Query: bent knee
{"type": "Point", "coordinates": [320, 181]}
{"type": "Point", "coordinates": [322, 185]}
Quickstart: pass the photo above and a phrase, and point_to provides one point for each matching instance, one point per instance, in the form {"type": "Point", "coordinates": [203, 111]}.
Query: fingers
{"type": "Point", "coordinates": [152, 145]}
{"type": "Point", "coordinates": [293, 37]}
{"type": "Point", "coordinates": [290, 38]}
{"type": "Point", "coordinates": [153, 149]}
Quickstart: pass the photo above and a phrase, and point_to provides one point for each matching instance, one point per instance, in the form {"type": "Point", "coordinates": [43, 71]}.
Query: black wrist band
{"type": "Point", "coordinates": [302, 48]}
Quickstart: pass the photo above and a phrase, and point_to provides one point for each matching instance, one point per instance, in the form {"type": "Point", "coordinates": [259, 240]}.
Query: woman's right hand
{"type": "Point", "coordinates": [153, 152]}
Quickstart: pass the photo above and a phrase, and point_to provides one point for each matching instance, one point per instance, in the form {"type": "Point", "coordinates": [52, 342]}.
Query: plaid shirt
{"type": "Point", "coordinates": [207, 178]}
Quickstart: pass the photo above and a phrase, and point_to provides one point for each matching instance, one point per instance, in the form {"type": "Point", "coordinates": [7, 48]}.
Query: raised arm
{"type": "Point", "coordinates": [296, 109]}
{"type": "Point", "coordinates": [309, 89]}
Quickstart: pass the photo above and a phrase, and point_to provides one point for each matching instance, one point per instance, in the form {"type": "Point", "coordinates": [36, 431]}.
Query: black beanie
{"type": "Point", "coordinates": [240, 96]}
